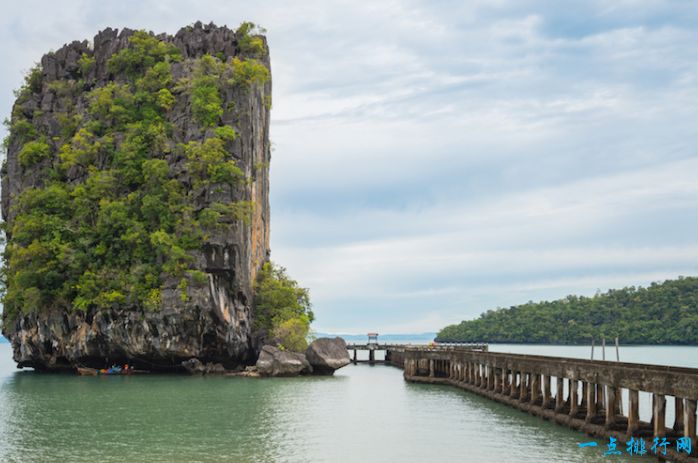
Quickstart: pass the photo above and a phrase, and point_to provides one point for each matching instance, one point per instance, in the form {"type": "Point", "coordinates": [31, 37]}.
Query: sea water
{"type": "Point", "coordinates": [361, 414]}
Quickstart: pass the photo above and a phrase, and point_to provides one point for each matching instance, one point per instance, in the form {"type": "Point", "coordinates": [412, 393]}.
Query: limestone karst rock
{"type": "Point", "coordinates": [135, 195]}
{"type": "Point", "coordinates": [326, 355]}
{"type": "Point", "coordinates": [273, 361]}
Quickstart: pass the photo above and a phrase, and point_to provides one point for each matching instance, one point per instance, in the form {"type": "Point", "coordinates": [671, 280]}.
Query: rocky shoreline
{"type": "Point", "coordinates": [322, 357]}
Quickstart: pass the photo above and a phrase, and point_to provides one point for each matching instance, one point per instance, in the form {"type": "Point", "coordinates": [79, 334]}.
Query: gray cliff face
{"type": "Point", "coordinates": [214, 324]}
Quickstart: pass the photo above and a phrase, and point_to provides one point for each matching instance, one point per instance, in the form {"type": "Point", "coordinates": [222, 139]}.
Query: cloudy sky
{"type": "Point", "coordinates": [435, 159]}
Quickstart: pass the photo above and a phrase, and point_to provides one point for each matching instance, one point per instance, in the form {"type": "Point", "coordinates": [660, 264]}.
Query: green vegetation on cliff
{"type": "Point", "coordinates": [663, 313]}
{"type": "Point", "coordinates": [282, 308]}
{"type": "Point", "coordinates": [118, 211]}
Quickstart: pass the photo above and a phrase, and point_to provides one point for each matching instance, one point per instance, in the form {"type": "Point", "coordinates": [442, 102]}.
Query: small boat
{"type": "Point", "coordinates": [87, 371]}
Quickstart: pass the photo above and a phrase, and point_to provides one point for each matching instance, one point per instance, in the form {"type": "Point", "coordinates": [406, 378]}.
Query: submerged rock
{"type": "Point", "coordinates": [326, 355]}
{"type": "Point", "coordinates": [197, 367]}
{"type": "Point", "coordinates": [276, 362]}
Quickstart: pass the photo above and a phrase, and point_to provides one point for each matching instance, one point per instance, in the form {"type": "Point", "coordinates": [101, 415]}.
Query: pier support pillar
{"type": "Point", "coordinates": [535, 387]}
{"type": "Point", "coordinates": [590, 401]}
{"type": "Point", "coordinates": [490, 378]}
{"type": "Point", "coordinates": [611, 405]}
{"type": "Point", "coordinates": [371, 356]}
{"type": "Point", "coordinates": [633, 412]}
{"type": "Point", "coordinates": [504, 389]}
{"type": "Point", "coordinates": [546, 391]}
{"type": "Point", "coordinates": [678, 414]}
{"type": "Point", "coordinates": [600, 388]}
{"type": "Point", "coordinates": [523, 393]}
{"type": "Point", "coordinates": [355, 362]}
{"type": "Point", "coordinates": [574, 397]}
{"type": "Point", "coordinates": [559, 395]}
{"type": "Point", "coordinates": [659, 414]}
{"type": "Point", "coordinates": [512, 389]}
{"type": "Point", "coordinates": [689, 422]}
{"type": "Point", "coordinates": [431, 368]}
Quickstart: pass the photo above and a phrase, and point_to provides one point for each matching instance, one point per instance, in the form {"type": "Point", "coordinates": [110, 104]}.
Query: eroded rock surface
{"type": "Point", "coordinates": [326, 355]}
{"type": "Point", "coordinates": [275, 362]}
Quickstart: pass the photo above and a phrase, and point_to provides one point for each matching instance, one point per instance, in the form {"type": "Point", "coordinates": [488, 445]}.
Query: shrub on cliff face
{"type": "Point", "coordinates": [282, 308]}
{"type": "Point", "coordinates": [112, 220]}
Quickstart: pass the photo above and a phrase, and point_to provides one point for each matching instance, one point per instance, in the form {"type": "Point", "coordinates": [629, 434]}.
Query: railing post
{"type": "Point", "coordinates": [659, 415]}
{"type": "Point", "coordinates": [633, 411]}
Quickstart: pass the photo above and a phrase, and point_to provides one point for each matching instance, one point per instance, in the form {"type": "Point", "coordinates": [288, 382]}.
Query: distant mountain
{"type": "Point", "coordinates": [662, 313]}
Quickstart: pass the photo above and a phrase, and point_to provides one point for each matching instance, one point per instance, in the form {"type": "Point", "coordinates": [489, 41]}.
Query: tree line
{"type": "Point", "coordinates": [662, 313]}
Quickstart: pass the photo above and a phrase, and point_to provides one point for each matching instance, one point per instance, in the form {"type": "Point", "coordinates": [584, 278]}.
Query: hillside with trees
{"type": "Point", "coordinates": [662, 313]}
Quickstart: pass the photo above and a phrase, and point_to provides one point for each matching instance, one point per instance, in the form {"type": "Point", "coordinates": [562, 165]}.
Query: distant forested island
{"type": "Point", "coordinates": [663, 313]}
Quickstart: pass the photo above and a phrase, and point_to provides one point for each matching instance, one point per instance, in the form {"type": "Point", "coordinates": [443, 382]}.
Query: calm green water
{"type": "Point", "coordinates": [362, 414]}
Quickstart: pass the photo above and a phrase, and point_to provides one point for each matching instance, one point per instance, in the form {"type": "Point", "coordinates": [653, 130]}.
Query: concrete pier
{"type": "Point", "coordinates": [594, 390]}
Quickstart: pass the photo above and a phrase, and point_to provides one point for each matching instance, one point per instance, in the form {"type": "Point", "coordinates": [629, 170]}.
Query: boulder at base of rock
{"type": "Point", "coordinates": [196, 367]}
{"type": "Point", "coordinates": [275, 362]}
{"type": "Point", "coordinates": [327, 355]}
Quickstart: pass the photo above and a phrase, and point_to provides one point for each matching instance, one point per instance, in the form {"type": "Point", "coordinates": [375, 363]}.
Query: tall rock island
{"type": "Point", "coordinates": [135, 199]}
